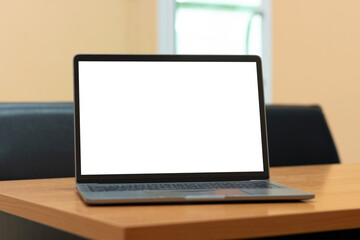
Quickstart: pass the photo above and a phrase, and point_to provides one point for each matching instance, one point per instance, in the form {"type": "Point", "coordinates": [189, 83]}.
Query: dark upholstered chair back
{"type": "Point", "coordinates": [36, 140]}
{"type": "Point", "coordinates": [299, 135]}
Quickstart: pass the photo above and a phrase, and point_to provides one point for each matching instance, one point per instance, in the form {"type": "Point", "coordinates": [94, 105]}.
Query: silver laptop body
{"type": "Point", "coordinates": [172, 128]}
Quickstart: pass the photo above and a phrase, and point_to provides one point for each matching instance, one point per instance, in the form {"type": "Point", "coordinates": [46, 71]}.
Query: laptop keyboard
{"type": "Point", "coordinates": [183, 186]}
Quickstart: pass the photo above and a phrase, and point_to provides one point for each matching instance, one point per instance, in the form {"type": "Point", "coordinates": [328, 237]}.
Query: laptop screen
{"type": "Point", "coordinates": [156, 117]}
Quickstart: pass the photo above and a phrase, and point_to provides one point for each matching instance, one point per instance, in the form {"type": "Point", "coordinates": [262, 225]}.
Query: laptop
{"type": "Point", "coordinates": [172, 128]}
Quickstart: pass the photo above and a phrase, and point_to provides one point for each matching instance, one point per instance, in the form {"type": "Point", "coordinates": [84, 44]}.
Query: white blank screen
{"type": "Point", "coordinates": [169, 117]}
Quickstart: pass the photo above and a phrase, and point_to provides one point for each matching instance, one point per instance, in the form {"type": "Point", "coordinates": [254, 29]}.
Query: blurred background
{"type": "Point", "coordinates": [310, 49]}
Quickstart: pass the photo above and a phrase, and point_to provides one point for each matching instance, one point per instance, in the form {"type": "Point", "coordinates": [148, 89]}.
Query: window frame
{"type": "Point", "coordinates": [166, 37]}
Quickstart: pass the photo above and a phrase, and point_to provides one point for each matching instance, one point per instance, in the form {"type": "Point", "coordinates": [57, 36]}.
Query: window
{"type": "Point", "coordinates": [217, 27]}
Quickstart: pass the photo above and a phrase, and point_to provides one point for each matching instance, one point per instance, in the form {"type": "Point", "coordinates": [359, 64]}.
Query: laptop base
{"type": "Point", "coordinates": [191, 195]}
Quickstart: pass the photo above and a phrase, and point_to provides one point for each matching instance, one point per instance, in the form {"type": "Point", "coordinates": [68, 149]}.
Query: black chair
{"type": "Point", "coordinates": [36, 140]}
{"type": "Point", "coordinates": [299, 135]}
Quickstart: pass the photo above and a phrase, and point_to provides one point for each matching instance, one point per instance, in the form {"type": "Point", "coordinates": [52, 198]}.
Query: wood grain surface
{"type": "Point", "coordinates": [55, 202]}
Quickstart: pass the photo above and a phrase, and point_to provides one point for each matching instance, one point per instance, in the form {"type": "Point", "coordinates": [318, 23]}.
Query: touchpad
{"type": "Point", "coordinates": [186, 193]}
{"type": "Point", "coordinates": [229, 192]}
{"type": "Point", "coordinates": [223, 192]}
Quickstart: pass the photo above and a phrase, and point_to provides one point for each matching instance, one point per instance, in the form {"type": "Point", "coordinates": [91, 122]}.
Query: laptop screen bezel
{"type": "Point", "coordinates": [171, 177]}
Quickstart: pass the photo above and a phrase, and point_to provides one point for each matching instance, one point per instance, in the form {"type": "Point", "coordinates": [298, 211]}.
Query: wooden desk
{"type": "Point", "coordinates": [55, 203]}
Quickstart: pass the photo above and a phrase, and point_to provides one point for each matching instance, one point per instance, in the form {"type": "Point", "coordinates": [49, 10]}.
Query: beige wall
{"type": "Point", "coordinates": [40, 37]}
{"type": "Point", "coordinates": [316, 51]}
{"type": "Point", "coordinates": [142, 31]}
